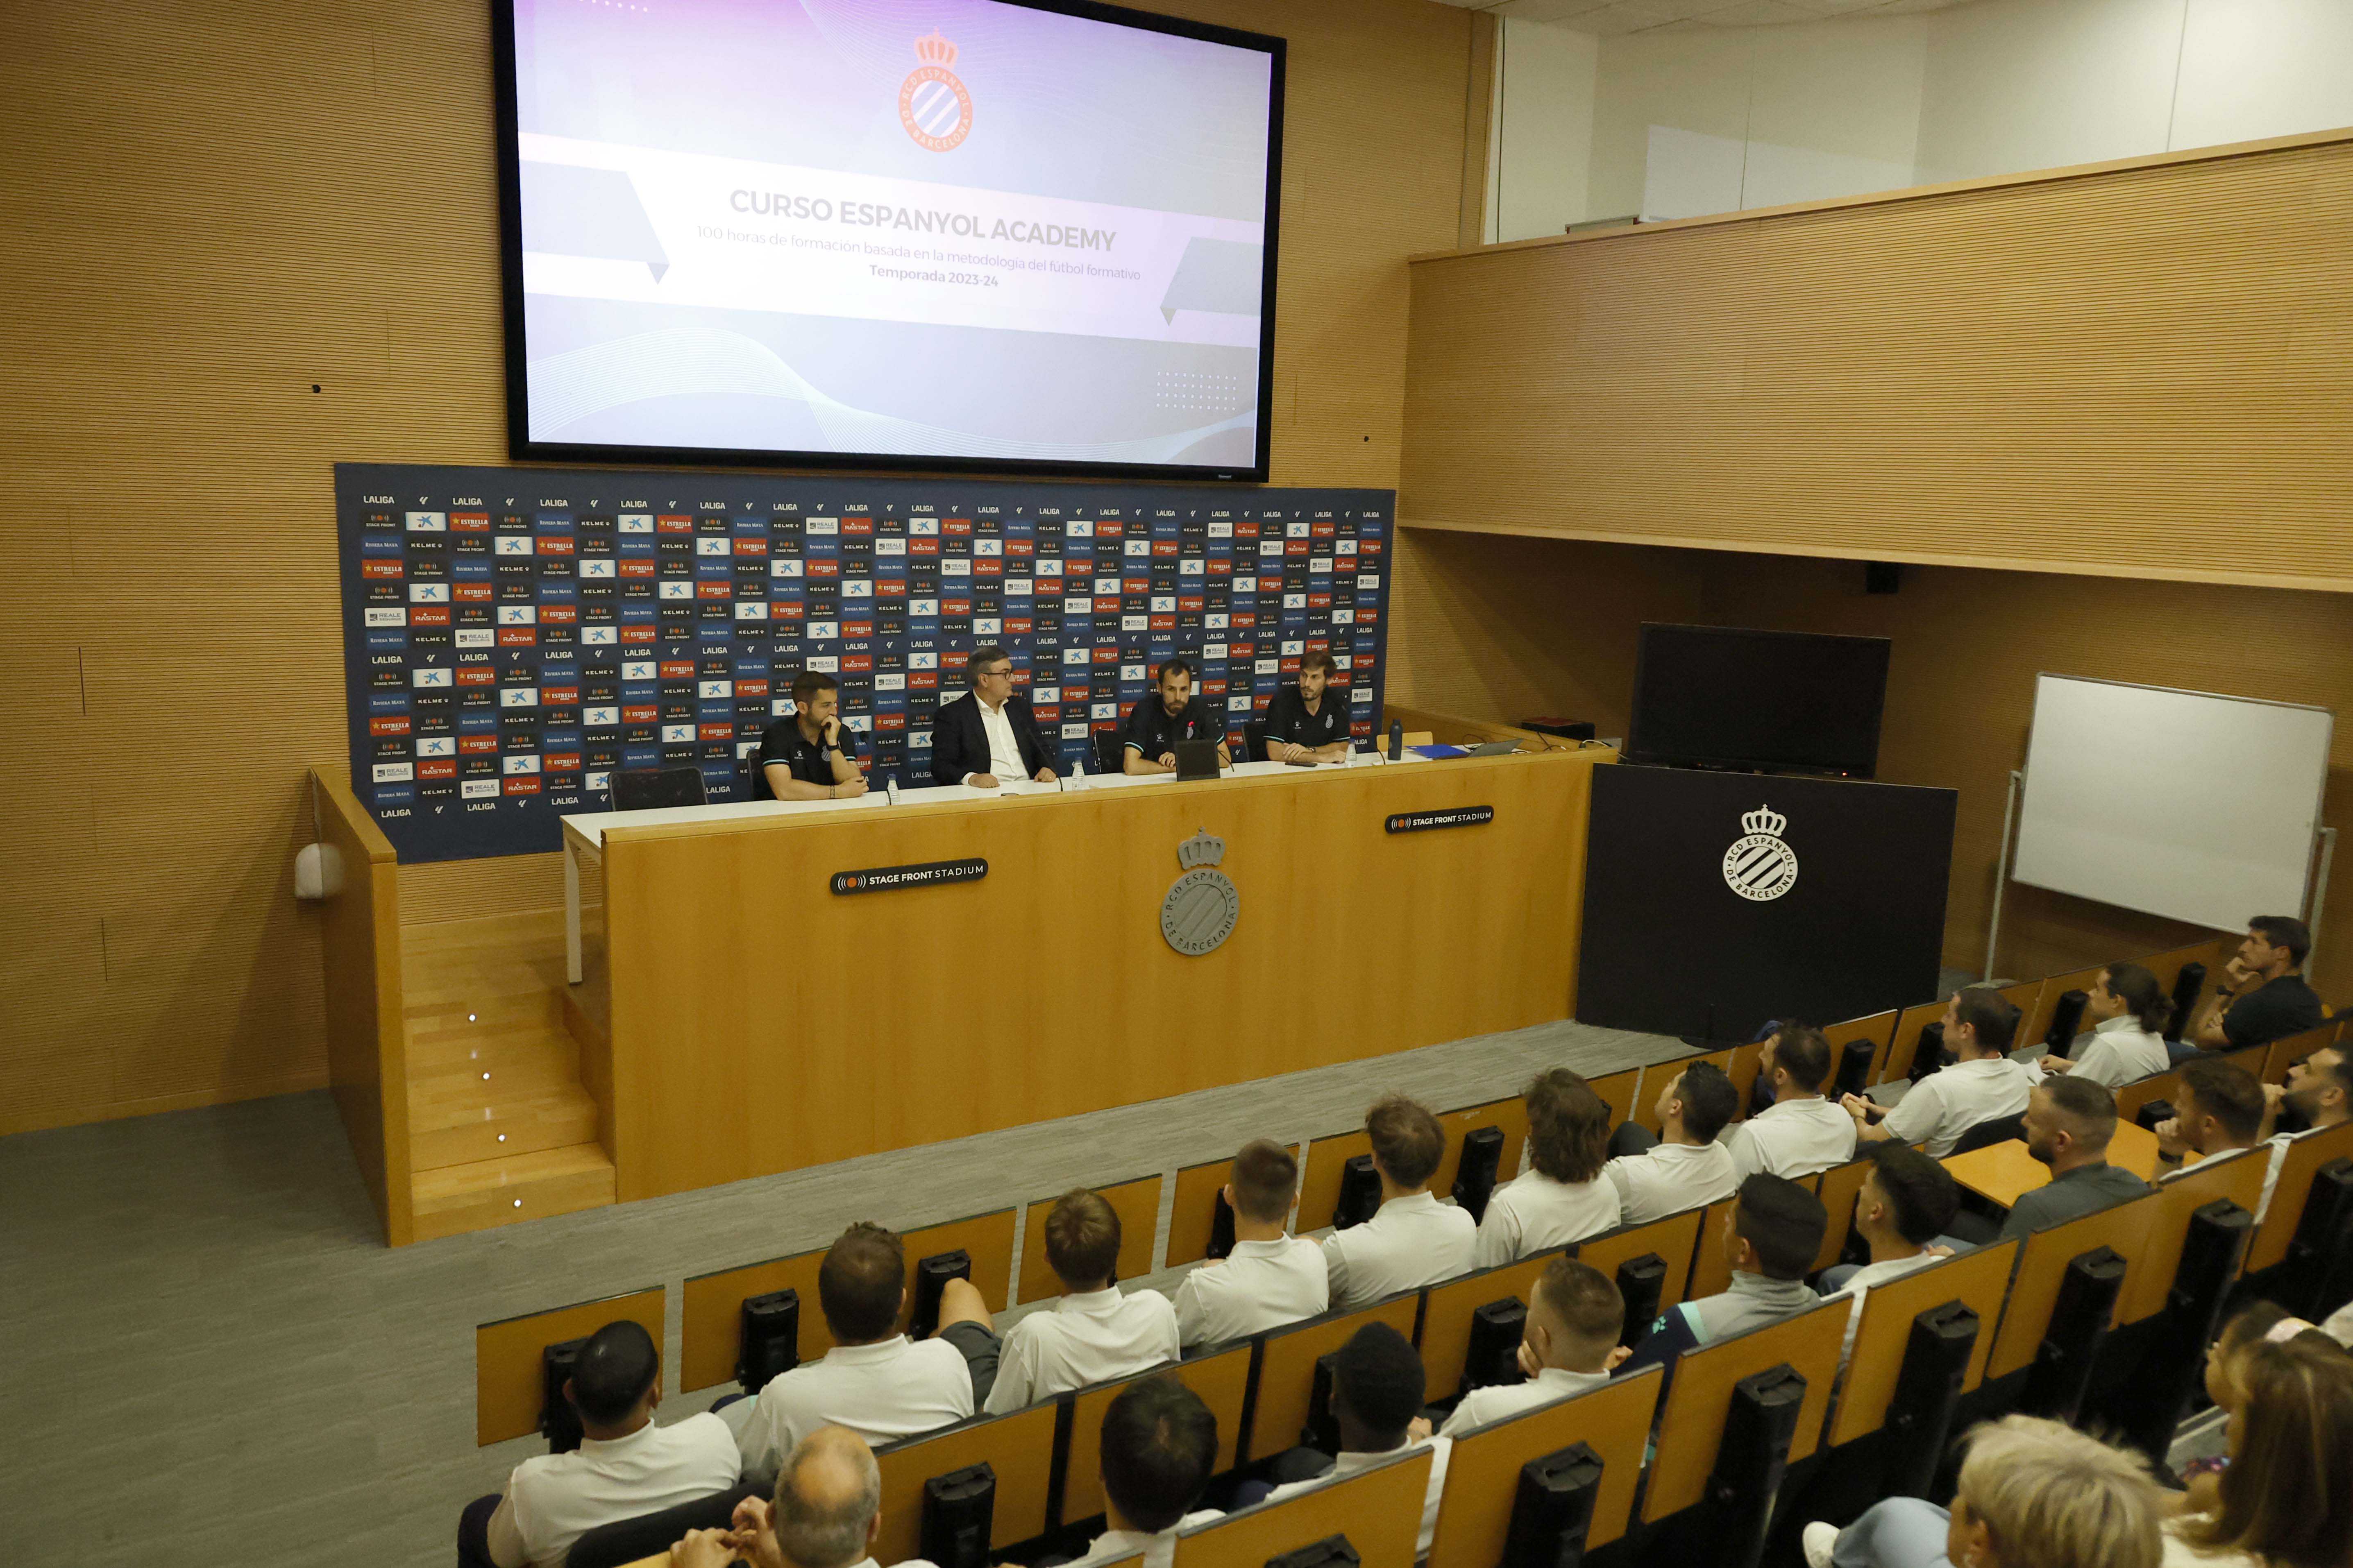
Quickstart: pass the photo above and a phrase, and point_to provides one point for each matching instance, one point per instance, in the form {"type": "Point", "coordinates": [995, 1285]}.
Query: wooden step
{"type": "Point", "coordinates": [455, 1199]}
{"type": "Point", "coordinates": [451, 1123]}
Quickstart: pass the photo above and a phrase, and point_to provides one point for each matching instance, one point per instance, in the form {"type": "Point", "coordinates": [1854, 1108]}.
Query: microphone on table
{"type": "Point", "coordinates": [1397, 740]}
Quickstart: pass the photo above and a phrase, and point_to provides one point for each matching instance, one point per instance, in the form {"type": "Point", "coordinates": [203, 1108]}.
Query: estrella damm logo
{"type": "Point", "coordinates": [933, 104]}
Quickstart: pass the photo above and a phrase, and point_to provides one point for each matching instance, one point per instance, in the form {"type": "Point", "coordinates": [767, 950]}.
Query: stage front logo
{"type": "Point", "coordinates": [1760, 867]}
{"type": "Point", "coordinates": [933, 104]}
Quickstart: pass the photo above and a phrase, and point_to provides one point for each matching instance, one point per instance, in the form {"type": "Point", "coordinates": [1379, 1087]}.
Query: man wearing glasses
{"type": "Point", "coordinates": [988, 735]}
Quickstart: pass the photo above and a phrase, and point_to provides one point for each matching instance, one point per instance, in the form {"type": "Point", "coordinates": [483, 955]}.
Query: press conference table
{"type": "Point", "coordinates": [788, 983]}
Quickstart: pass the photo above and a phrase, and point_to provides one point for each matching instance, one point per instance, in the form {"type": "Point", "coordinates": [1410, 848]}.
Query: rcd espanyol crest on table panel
{"type": "Point", "coordinates": [1203, 904]}
{"type": "Point", "coordinates": [1761, 868]}
{"type": "Point", "coordinates": [933, 104]}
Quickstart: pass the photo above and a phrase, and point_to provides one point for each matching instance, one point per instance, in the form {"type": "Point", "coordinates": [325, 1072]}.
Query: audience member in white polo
{"type": "Point", "coordinates": [1563, 1196]}
{"type": "Point", "coordinates": [1271, 1277]}
{"type": "Point", "coordinates": [2218, 1112]}
{"type": "Point", "coordinates": [1377, 1389]}
{"type": "Point", "coordinates": [1800, 1134]}
{"type": "Point", "coordinates": [1093, 1333]}
{"type": "Point", "coordinates": [1905, 1203]}
{"type": "Point", "coordinates": [1159, 1448]}
{"type": "Point", "coordinates": [875, 1381]}
{"type": "Point", "coordinates": [624, 1464]}
{"type": "Point", "coordinates": [1414, 1240]}
{"type": "Point", "coordinates": [1686, 1166]}
{"type": "Point", "coordinates": [2128, 1010]}
{"type": "Point", "coordinates": [1980, 1084]}
{"type": "Point", "coordinates": [826, 1513]}
{"type": "Point", "coordinates": [1576, 1318]}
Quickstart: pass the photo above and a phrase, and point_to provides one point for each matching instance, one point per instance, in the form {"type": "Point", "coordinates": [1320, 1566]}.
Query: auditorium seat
{"type": "Point", "coordinates": [510, 1381]}
{"type": "Point", "coordinates": [1691, 1427]}
{"type": "Point", "coordinates": [1019, 1448]}
{"type": "Point", "coordinates": [1135, 1202]}
{"type": "Point", "coordinates": [1378, 1509]}
{"type": "Point", "coordinates": [1837, 1187]}
{"type": "Point", "coordinates": [2000, 1130]}
{"type": "Point", "coordinates": [1221, 1376]}
{"type": "Point", "coordinates": [1280, 1405]}
{"type": "Point", "coordinates": [1448, 1309]}
{"type": "Point", "coordinates": [627, 1541]}
{"type": "Point", "coordinates": [1482, 1473]}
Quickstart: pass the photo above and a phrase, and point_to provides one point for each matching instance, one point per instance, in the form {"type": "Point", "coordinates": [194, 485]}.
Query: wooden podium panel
{"type": "Point", "coordinates": [763, 1023]}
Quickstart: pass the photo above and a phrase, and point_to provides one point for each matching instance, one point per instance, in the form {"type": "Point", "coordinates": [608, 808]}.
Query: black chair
{"type": "Point", "coordinates": [1111, 752]}
{"type": "Point", "coordinates": [1985, 1134]}
{"type": "Point", "coordinates": [1254, 742]}
{"type": "Point", "coordinates": [650, 789]}
{"type": "Point", "coordinates": [629, 1540]}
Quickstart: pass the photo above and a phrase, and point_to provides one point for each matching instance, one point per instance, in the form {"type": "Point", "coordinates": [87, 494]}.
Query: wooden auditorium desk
{"type": "Point", "coordinates": [748, 1018]}
{"type": "Point", "coordinates": [2005, 1172]}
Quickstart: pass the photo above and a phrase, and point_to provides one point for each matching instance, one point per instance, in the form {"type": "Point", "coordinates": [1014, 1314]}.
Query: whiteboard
{"type": "Point", "coordinates": [2184, 804]}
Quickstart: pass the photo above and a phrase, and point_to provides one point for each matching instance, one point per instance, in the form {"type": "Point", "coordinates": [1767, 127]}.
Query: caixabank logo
{"type": "Point", "coordinates": [514, 638]}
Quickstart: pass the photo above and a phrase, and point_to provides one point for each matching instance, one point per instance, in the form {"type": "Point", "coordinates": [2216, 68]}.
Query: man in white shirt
{"type": "Point", "coordinates": [828, 1511]}
{"type": "Point", "coordinates": [1576, 1318]}
{"type": "Point", "coordinates": [1687, 1165]}
{"type": "Point", "coordinates": [2220, 1111]}
{"type": "Point", "coordinates": [874, 1380]}
{"type": "Point", "coordinates": [1903, 1204]}
{"type": "Point", "coordinates": [1562, 1197]}
{"type": "Point", "coordinates": [1093, 1333]}
{"type": "Point", "coordinates": [1414, 1240]}
{"type": "Point", "coordinates": [2319, 1089]}
{"type": "Point", "coordinates": [1271, 1277]}
{"type": "Point", "coordinates": [1159, 1448]}
{"type": "Point", "coordinates": [626, 1466]}
{"type": "Point", "coordinates": [2128, 1010]}
{"type": "Point", "coordinates": [1980, 1084]}
{"type": "Point", "coordinates": [1800, 1134]}
{"type": "Point", "coordinates": [1377, 1389]}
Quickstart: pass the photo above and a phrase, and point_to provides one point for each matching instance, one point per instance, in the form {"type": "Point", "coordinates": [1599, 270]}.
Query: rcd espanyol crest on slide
{"type": "Point", "coordinates": [1203, 904]}
{"type": "Point", "coordinates": [933, 104]}
{"type": "Point", "coordinates": [1761, 868]}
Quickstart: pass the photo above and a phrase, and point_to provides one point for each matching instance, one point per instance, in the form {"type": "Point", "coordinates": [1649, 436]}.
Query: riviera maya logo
{"type": "Point", "coordinates": [1760, 868]}
{"type": "Point", "coordinates": [933, 104]}
{"type": "Point", "coordinates": [1203, 904]}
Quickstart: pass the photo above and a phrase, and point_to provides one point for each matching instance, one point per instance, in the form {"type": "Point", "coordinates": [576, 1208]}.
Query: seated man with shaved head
{"type": "Point", "coordinates": [828, 1509]}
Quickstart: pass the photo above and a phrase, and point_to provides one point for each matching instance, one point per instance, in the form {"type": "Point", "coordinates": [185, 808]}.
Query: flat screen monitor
{"type": "Point", "coordinates": [978, 235]}
{"type": "Point", "coordinates": [1727, 697]}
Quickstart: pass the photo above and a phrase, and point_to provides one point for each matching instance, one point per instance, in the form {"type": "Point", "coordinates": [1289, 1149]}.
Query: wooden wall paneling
{"type": "Point", "coordinates": [184, 182]}
{"type": "Point", "coordinates": [367, 1038]}
{"type": "Point", "coordinates": [693, 912]}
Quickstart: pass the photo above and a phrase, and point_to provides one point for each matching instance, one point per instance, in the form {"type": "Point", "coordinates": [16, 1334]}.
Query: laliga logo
{"type": "Point", "coordinates": [933, 104]}
{"type": "Point", "coordinates": [1203, 904]}
{"type": "Point", "coordinates": [1761, 868]}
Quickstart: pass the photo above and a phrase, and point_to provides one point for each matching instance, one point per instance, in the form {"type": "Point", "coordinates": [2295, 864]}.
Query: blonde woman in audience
{"type": "Point", "coordinates": [1564, 1196]}
{"type": "Point", "coordinates": [2032, 1494]}
{"type": "Point", "coordinates": [2284, 1499]}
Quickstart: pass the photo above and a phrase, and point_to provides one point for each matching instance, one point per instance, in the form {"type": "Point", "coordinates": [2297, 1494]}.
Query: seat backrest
{"type": "Point", "coordinates": [1838, 1187]}
{"type": "Point", "coordinates": [1661, 1074]}
{"type": "Point", "coordinates": [2131, 1096]}
{"type": "Point", "coordinates": [1448, 1309]}
{"type": "Point", "coordinates": [650, 789]}
{"type": "Point", "coordinates": [1483, 1474]}
{"type": "Point", "coordinates": [2236, 1177]}
{"type": "Point", "coordinates": [1618, 1091]}
{"type": "Point", "coordinates": [1673, 1239]}
{"type": "Point", "coordinates": [1319, 1178]}
{"type": "Point", "coordinates": [1897, 1063]}
{"type": "Point", "coordinates": [2035, 1023]}
{"type": "Point", "coordinates": [1378, 1509]}
{"type": "Point", "coordinates": [509, 1383]}
{"type": "Point", "coordinates": [2306, 1155]}
{"type": "Point", "coordinates": [2168, 966]}
{"type": "Point", "coordinates": [1019, 1448]}
{"type": "Point", "coordinates": [1508, 1116]}
{"type": "Point", "coordinates": [1137, 1204]}
{"type": "Point", "coordinates": [1691, 1428]}
{"type": "Point", "coordinates": [2284, 1054]}
{"type": "Point", "coordinates": [1998, 1130]}
{"type": "Point", "coordinates": [1711, 1271]}
{"type": "Point", "coordinates": [1879, 1028]}
{"type": "Point", "coordinates": [1979, 1281]}
{"type": "Point", "coordinates": [632, 1540]}
{"type": "Point", "coordinates": [1222, 1379]}
{"type": "Point", "coordinates": [711, 1315]}
{"type": "Point", "coordinates": [2042, 1270]}
{"type": "Point", "coordinates": [1286, 1370]}
{"type": "Point", "coordinates": [1743, 1068]}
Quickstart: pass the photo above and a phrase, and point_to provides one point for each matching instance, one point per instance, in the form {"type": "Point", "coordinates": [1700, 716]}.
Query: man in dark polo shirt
{"type": "Point", "coordinates": [1308, 723]}
{"type": "Point", "coordinates": [809, 754]}
{"type": "Point", "coordinates": [2263, 996]}
{"type": "Point", "coordinates": [1172, 713]}
{"type": "Point", "coordinates": [2069, 1122]}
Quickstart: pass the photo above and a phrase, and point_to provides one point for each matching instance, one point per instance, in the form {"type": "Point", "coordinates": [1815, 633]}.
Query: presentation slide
{"type": "Point", "coordinates": [921, 228]}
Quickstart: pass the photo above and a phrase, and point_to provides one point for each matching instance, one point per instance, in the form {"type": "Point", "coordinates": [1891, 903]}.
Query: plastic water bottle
{"type": "Point", "coordinates": [1076, 780]}
{"type": "Point", "coordinates": [890, 788]}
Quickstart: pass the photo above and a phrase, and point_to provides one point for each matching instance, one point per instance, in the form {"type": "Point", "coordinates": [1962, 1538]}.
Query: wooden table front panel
{"type": "Point", "coordinates": [763, 1023]}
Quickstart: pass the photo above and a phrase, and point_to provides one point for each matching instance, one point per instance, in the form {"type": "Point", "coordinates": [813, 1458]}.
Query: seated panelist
{"type": "Point", "coordinates": [809, 755]}
{"type": "Point", "coordinates": [1172, 713]}
{"type": "Point", "coordinates": [989, 734]}
{"type": "Point", "coordinates": [1308, 723]}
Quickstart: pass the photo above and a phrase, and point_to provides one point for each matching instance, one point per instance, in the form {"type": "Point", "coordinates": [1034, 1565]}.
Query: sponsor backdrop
{"type": "Point", "coordinates": [513, 636]}
{"type": "Point", "coordinates": [1715, 901]}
